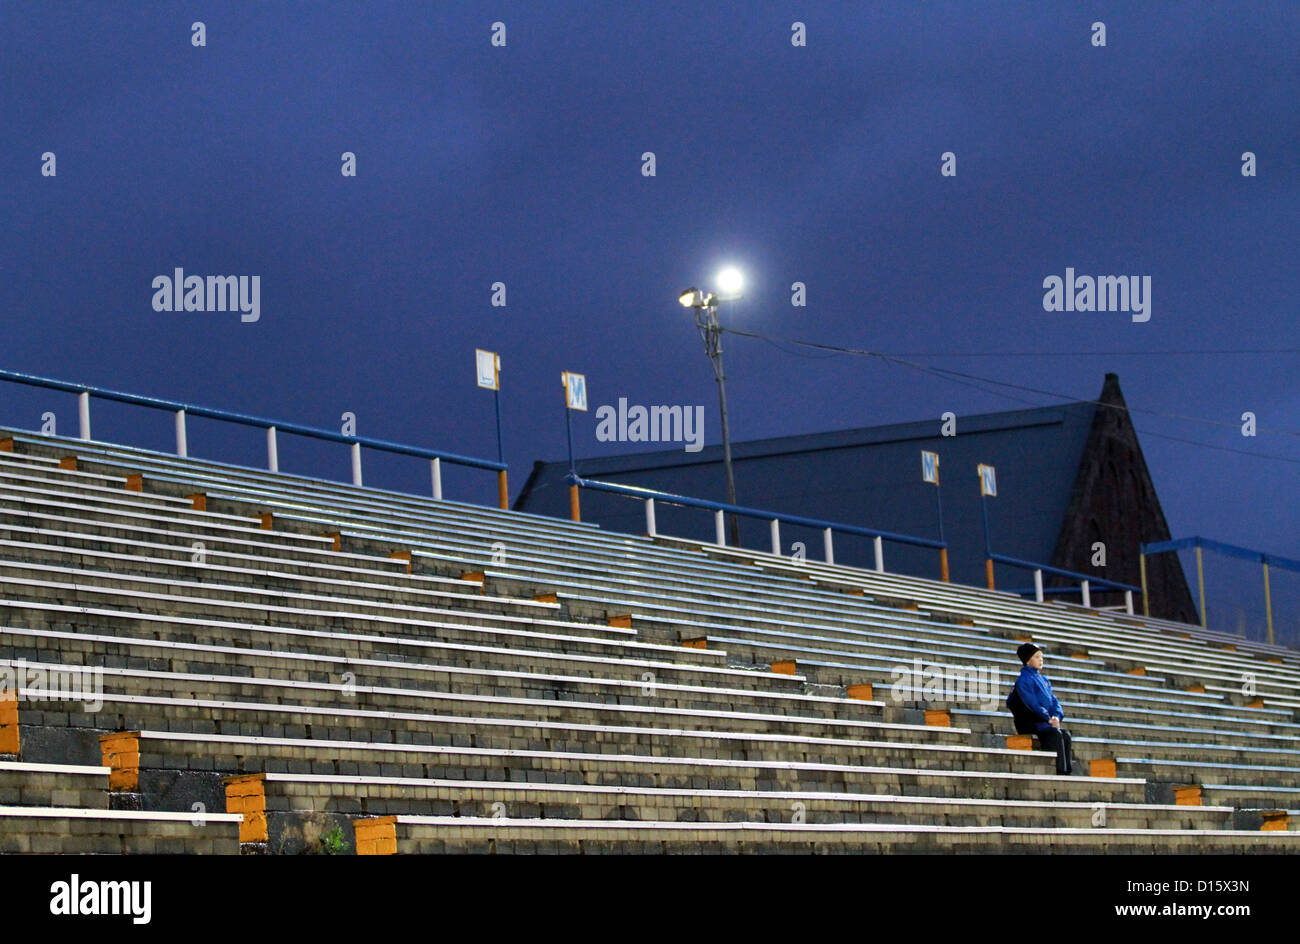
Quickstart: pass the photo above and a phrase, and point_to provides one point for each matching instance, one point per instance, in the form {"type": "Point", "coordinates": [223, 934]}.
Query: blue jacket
{"type": "Point", "coordinates": [1036, 692]}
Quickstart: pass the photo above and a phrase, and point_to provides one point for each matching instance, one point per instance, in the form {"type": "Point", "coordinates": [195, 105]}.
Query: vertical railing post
{"type": "Point", "coordinates": [943, 564]}
{"type": "Point", "coordinates": [575, 506]}
{"type": "Point", "coordinates": [1200, 583]}
{"type": "Point", "coordinates": [828, 542]}
{"type": "Point", "coordinates": [1268, 603]}
{"type": "Point", "coordinates": [182, 443]}
{"type": "Point", "coordinates": [83, 412]}
{"type": "Point", "coordinates": [879, 546]}
{"type": "Point", "coordinates": [1087, 597]}
{"type": "Point", "coordinates": [1146, 600]}
{"type": "Point", "coordinates": [988, 572]}
{"type": "Point", "coordinates": [776, 537]}
{"type": "Point", "coordinates": [1038, 586]}
{"type": "Point", "coordinates": [356, 464]}
{"type": "Point", "coordinates": [650, 517]}
{"type": "Point", "coordinates": [503, 490]}
{"type": "Point", "coordinates": [1128, 602]}
{"type": "Point", "coordinates": [435, 467]}
{"type": "Point", "coordinates": [719, 529]}
{"type": "Point", "coordinates": [272, 450]}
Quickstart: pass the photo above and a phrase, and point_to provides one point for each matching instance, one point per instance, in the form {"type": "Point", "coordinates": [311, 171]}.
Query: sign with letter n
{"type": "Point", "coordinates": [489, 369]}
{"type": "Point", "coordinates": [930, 467]}
{"type": "Point", "coordinates": [988, 481]}
{"type": "Point", "coordinates": [575, 390]}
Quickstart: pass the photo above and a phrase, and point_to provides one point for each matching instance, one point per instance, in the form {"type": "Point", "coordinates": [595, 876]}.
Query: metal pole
{"type": "Point", "coordinates": [503, 489]}
{"type": "Point", "coordinates": [1038, 586]}
{"type": "Point", "coordinates": [568, 432]}
{"type": "Point", "coordinates": [575, 510]}
{"type": "Point", "coordinates": [878, 545]}
{"type": "Point", "coordinates": [1087, 597]}
{"type": "Point", "coordinates": [939, 500]}
{"type": "Point", "coordinates": [83, 411]}
{"type": "Point", "coordinates": [1268, 603]}
{"type": "Point", "coordinates": [436, 469]}
{"type": "Point", "coordinates": [272, 450]}
{"type": "Point", "coordinates": [943, 551]}
{"type": "Point", "coordinates": [1128, 602]}
{"type": "Point", "coordinates": [712, 332]}
{"type": "Point", "coordinates": [828, 543]}
{"type": "Point", "coordinates": [650, 517]}
{"type": "Point", "coordinates": [501, 452]}
{"type": "Point", "coordinates": [1146, 601]}
{"type": "Point", "coordinates": [356, 464]}
{"type": "Point", "coordinates": [988, 546]}
{"type": "Point", "coordinates": [719, 529]}
{"type": "Point", "coordinates": [182, 445]}
{"type": "Point", "coordinates": [776, 537]}
{"type": "Point", "coordinates": [1200, 583]}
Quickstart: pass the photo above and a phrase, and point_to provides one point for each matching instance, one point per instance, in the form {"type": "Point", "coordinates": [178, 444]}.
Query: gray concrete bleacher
{"type": "Point", "coordinates": [431, 676]}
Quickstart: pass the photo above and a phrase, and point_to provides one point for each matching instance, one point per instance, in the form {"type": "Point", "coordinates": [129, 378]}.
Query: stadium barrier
{"type": "Point", "coordinates": [721, 509]}
{"type": "Point", "coordinates": [1228, 550]}
{"type": "Point", "coordinates": [1086, 581]}
{"type": "Point", "coordinates": [273, 427]}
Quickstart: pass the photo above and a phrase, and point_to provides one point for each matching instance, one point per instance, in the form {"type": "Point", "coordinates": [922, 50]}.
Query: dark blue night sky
{"type": "Point", "coordinates": [478, 164]}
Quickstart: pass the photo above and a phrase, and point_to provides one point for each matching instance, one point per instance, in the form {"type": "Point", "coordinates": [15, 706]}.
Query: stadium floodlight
{"type": "Point", "coordinates": [694, 298]}
{"type": "Point", "coordinates": [706, 319]}
{"type": "Point", "coordinates": [730, 283]}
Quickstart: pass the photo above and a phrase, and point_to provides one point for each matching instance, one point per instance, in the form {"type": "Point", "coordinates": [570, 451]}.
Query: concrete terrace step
{"type": "Point", "coordinates": [434, 834]}
{"type": "Point", "coordinates": [662, 682]}
{"type": "Point", "coordinates": [64, 830]}
{"type": "Point", "coordinates": [73, 785]}
{"type": "Point", "coordinates": [41, 595]}
{"type": "Point", "coordinates": [283, 793]}
{"type": "Point", "coordinates": [577, 726]}
{"type": "Point", "coordinates": [242, 754]}
{"type": "Point", "coordinates": [397, 589]}
{"type": "Point", "coordinates": [79, 534]}
{"type": "Point", "coordinates": [643, 548]}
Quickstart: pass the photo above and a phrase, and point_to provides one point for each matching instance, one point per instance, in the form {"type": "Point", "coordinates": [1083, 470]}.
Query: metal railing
{"type": "Point", "coordinates": [273, 427]}
{"type": "Point", "coordinates": [1086, 581]}
{"type": "Point", "coordinates": [721, 509]}
{"type": "Point", "coordinates": [1227, 550]}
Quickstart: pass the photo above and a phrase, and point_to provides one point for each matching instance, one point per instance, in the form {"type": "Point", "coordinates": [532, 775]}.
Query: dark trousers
{"type": "Point", "coordinates": [1058, 741]}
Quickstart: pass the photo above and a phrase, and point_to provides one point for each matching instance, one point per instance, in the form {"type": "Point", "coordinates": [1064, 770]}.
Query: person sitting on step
{"type": "Point", "coordinates": [1036, 709]}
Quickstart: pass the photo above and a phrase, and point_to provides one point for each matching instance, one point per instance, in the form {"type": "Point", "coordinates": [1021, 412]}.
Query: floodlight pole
{"type": "Point", "coordinates": [706, 319]}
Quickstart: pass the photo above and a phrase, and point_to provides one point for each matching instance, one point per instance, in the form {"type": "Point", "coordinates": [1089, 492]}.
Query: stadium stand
{"type": "Point", "coordinates": [210, 658]}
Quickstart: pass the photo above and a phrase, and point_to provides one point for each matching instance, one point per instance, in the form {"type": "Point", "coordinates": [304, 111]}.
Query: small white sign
{"type": "Point", "coordinates": [930, 467]}
{"type": "Point", "coordinates": [575, 390]}
{"type": "Point", "coordinates": [988, 481]}
{"type": "Point", "coordinates": [489, 369]}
